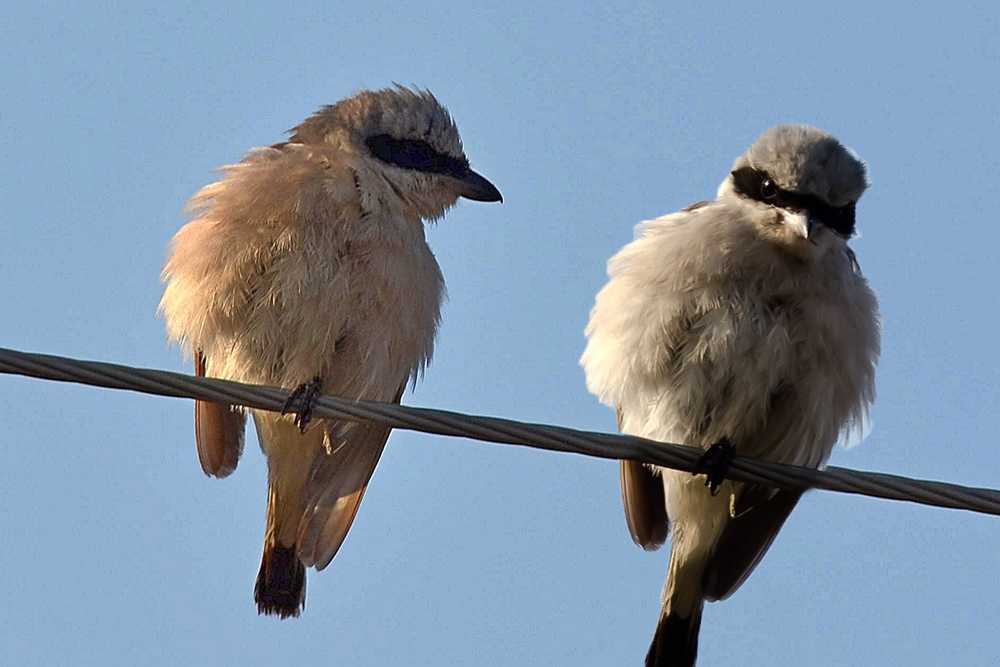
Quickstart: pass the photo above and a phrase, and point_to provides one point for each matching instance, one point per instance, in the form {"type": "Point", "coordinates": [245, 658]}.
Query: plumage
{"type": "Point", "coordinates": [308, 260]}
{"type": "Point", "coordinates": [218, 431]}
{"type": "Point", "coordinates": [645, 505]}
{"type": "Point", "coordinates": [743, 320]}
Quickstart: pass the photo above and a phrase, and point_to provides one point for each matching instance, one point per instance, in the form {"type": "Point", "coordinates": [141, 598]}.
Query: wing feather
{"type": "Point", "coordinates": [218, 430]}
{"type": "Point", "coordinates": [745, 540]}
{"type": "Point", "coordinates": [644, 501]}
{"type": "Point", "coordinates": [339, 479]}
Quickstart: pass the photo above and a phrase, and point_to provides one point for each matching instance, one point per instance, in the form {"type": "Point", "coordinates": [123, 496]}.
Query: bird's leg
{"type": "Point", "coordinates": [714, 463]}
{"type": "Point", "coordinates": [303, 401]}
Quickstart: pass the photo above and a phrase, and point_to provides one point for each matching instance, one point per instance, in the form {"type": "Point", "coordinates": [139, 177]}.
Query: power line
{"type": "Point", "coordinates": [502, 431]}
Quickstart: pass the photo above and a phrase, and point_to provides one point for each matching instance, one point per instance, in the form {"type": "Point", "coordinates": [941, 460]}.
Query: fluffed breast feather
{"type": "Point", "coordinates": [283, 263]}
{"type": "Point", "coordinates": [692, 316]}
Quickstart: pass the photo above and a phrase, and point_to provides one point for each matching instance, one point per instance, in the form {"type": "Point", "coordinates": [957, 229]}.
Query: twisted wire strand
{"type": "Point", "coordinates": [501, 431]}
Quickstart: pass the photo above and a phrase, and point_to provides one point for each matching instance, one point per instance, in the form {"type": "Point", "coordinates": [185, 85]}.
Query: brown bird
{"type": "Point", "coordinates": [306, 267]}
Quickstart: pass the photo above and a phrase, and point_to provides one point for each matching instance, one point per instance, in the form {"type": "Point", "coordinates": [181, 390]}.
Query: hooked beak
{"type": "Point", "coordinates": [473, 186]}
{"type": "Point", "coordinates": [804, 223]}
{"type": "Point", "coordinates": [812, 224]}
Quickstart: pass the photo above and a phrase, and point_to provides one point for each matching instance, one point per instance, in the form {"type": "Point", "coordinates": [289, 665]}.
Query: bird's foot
{"type": "Point", "coordinates": [714, 463]}
{"type": "Point", "coordinates": [303, 401]}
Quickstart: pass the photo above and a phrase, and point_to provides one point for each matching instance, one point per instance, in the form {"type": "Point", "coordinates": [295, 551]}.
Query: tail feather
{"type": "Point", "coordinates": [281, 582]}
{"type": "Point", "coordinates": [675, 643]}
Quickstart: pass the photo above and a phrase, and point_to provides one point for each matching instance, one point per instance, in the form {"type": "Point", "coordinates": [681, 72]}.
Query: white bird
{"type": "Point", "coordinates": [306, 267]}
{"type": "Point", "coordinates": [738, 325]}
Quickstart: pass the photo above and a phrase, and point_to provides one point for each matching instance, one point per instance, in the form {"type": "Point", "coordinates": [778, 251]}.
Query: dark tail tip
{"type": "Point", "coordinates": [281, 583]}
{"type": "Point", "coordinates": [675, 643]}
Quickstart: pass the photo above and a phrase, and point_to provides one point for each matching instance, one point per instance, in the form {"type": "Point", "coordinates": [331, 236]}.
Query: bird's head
{"type": "Point", "coordinates": [801, 186]}
{"type": "Point", "coordinates": [403, 148]}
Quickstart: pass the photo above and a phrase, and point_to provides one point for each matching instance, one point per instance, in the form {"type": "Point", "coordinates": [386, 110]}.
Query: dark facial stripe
{"type": "Point", "coordinates": [415, 154]}
{"type": "Point", "coordinates": [758, 185]}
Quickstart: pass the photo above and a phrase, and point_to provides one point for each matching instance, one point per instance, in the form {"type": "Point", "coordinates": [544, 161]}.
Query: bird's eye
{"type": "Point", "coordinates": [768, 189]}
{"type": "Point", "coordinates": [414, 154]}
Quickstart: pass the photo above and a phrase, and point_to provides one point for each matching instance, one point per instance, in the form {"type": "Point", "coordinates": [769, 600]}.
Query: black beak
{"type": "Point", "coordinates": [473, 186]}
{"type": "Point", "coordinates": [812, 225]}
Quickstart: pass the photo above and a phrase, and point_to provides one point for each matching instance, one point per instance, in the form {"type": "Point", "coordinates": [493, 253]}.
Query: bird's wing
{"type": "Point", "coordinates": [337, 485]}
{"type": "Point", "coordinates": [745, 540]}
{"type": "Point", "coordinates": [645, 504]}
{"type": "Point", "coordinates": [218, 430]}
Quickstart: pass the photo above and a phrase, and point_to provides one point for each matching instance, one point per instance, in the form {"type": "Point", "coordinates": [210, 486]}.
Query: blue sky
{"type": "Point", "coordinates": [117, 550]}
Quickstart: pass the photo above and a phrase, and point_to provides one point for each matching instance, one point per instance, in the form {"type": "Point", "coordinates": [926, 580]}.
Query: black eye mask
{"type": "Point", "coordinates": [759, 186]}
{"type": "Point", "coordinates": [415, 154]}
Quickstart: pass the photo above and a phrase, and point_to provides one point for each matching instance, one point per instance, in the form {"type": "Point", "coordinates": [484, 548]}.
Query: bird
{"type": "Point", "coordinates": [740, 325]}
{"type": "Point", "coordinates": [306, 267]}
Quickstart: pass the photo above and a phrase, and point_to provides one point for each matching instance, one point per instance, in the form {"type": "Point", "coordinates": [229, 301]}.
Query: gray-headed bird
{"type": "Point", "coordinates": [741, 325]}
{"type": "Point", "coordinates": [306, 267]}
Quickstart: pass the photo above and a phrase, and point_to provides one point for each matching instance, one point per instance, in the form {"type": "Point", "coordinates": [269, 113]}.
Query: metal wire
{"type": "Point", "coordinates": [502, 431]}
